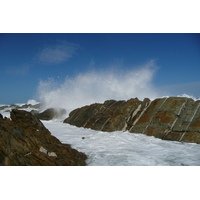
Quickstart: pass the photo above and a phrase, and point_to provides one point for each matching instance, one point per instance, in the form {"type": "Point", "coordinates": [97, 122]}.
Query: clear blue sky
{"type": "Point", "coordinates": [25, 59]}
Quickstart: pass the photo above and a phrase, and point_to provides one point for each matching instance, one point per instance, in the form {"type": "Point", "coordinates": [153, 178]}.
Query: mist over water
{"type": "Point", "coordinates": [96, 86]}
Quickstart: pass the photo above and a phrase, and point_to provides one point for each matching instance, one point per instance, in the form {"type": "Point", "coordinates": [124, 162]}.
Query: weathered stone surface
{"type": "Point", "coordinates": [164, 117]}
{"type": "Point", "coordinates": [25, 141]}
{"type": "Point", "coordinates": [173, 118]}
{"type": "Point", "coordinates": [110, 116]}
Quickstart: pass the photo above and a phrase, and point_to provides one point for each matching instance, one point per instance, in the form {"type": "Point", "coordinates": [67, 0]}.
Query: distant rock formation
{"type": "Point", "coordinates": [14, 106]}
{"type": "Point", "coordinates": [173, 118]}
{"type": "Point", "coordinates": [37, 110]}
{"type": "Point", "coordinates": [25, 141]}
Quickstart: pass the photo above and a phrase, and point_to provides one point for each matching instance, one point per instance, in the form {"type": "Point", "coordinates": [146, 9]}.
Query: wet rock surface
{"type": "Point", "coordinates": [49, 113]}
{"type": "Point", "coordinates": [25, 141]}
{"type": "Point", "coordinates": [173, 118]}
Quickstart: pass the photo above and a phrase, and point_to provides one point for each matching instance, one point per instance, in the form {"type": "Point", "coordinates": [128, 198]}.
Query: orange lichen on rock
{"type": "Point", "coordinates": [164, 117]}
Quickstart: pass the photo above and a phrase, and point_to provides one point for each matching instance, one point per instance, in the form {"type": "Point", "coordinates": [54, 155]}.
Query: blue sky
{"type": "Point", "coordinates": [26, 59]}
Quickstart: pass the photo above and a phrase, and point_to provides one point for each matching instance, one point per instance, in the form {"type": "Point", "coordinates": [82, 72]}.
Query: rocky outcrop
{"type": "Point", "coordinates": [49, 114]}
{"type": "Point", "coordinates": [25, 141]}
{"type": "Point", "coordinates": [173, 118]}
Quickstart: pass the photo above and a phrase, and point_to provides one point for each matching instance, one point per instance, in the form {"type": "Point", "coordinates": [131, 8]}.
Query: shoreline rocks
{"type": "Point", "coordinates": [172, 118]}
{"type": "Point", "coordinates": [23, 106]}
{"type": "Point", "coordinates": [24, 140]}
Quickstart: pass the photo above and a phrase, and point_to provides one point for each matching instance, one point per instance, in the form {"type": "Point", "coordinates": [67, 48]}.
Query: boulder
{"type": "Point", "coordinates": [24, 140]}
{"type": "Point", "coordinates": [49, 114]}
{"type": "Point", "coordinates": [172, 118]}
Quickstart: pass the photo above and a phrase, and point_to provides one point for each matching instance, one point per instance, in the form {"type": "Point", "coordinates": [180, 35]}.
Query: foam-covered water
{"type": "Point", "coordinates": [124, 148]}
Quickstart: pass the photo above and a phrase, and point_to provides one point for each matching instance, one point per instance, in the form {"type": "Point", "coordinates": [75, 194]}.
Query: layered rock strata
{"type": "Point", "coordinates": [25, 141]}
{"type": "Point", "coordinates": [173, 118]}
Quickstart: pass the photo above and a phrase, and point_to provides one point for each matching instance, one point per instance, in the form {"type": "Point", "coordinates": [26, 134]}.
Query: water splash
{"type": "Point", "coordinates": [98, 86]}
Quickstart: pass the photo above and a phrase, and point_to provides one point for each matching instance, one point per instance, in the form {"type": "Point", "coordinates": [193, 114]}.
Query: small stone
{"type": "Point", "coordinates": [52, 154]}
{"type": "Point", "coordinates": [43, 150]}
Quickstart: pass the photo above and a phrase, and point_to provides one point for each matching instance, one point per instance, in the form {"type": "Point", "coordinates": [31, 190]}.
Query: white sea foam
{"type": "Point", "coordinates": [32, 102]}
{"type": "Point", "coordinates": [98, 86]}
{"type": "Point", "coordinates": [189, 96]}
{"type": "Point", "coordinates": [123, 148]}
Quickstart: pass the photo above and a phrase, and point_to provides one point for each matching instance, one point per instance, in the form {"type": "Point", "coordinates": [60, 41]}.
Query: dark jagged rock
{"type": "Point", "coordinates": [173, 118]}
{"type": "Point", "coordinates": [49, 114]}
{"type": "Point", "coordinates": [46, 115]}
{"type": "Point", "coordinates": [25, 141]}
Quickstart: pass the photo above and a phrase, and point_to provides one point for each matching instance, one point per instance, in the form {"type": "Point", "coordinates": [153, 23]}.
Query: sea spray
{"type": "Point", "coordinates": [98, 86]}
